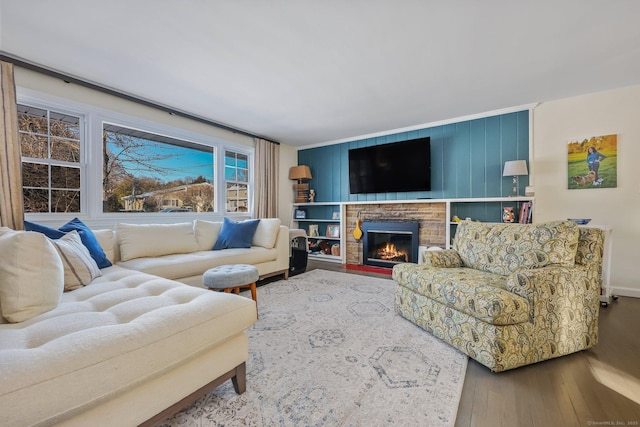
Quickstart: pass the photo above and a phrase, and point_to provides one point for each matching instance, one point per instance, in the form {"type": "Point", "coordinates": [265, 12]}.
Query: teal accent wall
{"type": "Point", "coordinates": [467, 159]}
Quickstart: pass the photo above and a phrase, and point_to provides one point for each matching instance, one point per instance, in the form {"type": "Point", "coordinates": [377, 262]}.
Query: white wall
{"type": "Point", "coordinates": [53, 86]}
{"type": "Point", "coordinates": [554, 124]}
{"type": "Point", "coordinates": [288, 158]}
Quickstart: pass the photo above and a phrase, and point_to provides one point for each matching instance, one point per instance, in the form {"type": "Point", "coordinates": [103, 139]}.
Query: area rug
{"type": "Point", "coordinates": [329, 350]}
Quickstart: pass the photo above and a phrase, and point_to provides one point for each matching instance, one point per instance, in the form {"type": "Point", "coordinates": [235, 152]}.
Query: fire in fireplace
{"type": "Point", "coordinates": [388, 252]}
{"type": "Point", "coordinates": [385, 244]}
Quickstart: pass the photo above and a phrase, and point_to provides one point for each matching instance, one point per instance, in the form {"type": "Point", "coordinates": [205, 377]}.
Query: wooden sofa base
{"type": "Point", "coordinates": [238, 376]}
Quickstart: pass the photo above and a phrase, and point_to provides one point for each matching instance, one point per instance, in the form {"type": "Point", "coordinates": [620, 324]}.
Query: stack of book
{"type": "Point", "coordinates": [525, 213]}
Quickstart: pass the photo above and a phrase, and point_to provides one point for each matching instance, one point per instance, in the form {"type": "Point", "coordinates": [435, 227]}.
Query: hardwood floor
{"type": "Point", "coordinates": [599, 386]}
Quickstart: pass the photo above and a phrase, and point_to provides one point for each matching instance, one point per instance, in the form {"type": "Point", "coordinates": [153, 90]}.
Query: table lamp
{"type": "Point", "coordinates": [300, 173]}
{"type": "Point", "coordinates": [515, 168]}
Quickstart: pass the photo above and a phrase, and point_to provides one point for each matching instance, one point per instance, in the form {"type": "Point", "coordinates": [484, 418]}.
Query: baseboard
{"type": "Point", "coordinates": [626, 292]}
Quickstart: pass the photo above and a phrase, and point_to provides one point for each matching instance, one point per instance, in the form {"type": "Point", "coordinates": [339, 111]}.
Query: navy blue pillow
{"type": "Point", "coordinates": [236, 234]}
{"type": "Point", "coordinates": [86, 236]}
{"type": "Point", "coordinates": [52, 233]}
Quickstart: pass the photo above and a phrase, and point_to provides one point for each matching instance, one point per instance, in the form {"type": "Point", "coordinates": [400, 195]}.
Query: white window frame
{"type": "Point", "coordinates": [188, 142]}
{"type": "Point", "coordinates": [82, 164]}
{"type": "Point", "coordinates": [250, 172]}
{"type": "Point", "coordinates": [91, 167]}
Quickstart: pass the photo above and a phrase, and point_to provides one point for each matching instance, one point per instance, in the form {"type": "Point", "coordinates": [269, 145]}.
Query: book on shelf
{"type": "Point", "coordinates": [525, 213]}
{"type": "Point", "coordinates": [522, 216]}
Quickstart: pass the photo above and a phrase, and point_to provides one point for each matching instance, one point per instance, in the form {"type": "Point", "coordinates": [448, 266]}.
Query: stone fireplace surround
{"type": "Point", "coordinates": [431, 216]}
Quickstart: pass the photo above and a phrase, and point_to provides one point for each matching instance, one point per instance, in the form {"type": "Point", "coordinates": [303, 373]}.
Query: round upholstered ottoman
{"type": "Point", "coordinates": [233, 277]}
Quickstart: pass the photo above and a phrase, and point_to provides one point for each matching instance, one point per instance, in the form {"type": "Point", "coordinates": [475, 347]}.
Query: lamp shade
{"type": "Point", "coordinates": [515, 167]}
{"type": "Point", "coordinates": [300, 172]}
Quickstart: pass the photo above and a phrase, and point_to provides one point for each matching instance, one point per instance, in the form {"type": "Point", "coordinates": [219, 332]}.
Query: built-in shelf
{"type": "Point", "coordinates": [325, 257]}
{"type": "Point", "coordinates": [322, 214]}
{"type": "Point", "coordinates": [484, 209]}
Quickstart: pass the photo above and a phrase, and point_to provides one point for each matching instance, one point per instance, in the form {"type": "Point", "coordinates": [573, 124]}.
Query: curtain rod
{"type": "Point", "coordinates": [7, 57]}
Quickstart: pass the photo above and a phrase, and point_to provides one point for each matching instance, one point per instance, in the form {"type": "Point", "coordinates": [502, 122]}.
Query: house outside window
{"type": "Point", "coordinates": [236, 176]}
{"type": "Point", "coordinates": [52, 165]}
{"type": "Point", "coordinates": [147, 172]}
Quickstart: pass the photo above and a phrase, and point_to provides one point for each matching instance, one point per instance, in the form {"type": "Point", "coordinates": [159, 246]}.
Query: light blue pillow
{"type": "Point", "coordinates": [236, 234]}
{"type": "Point", "coordinates": [86, 236]}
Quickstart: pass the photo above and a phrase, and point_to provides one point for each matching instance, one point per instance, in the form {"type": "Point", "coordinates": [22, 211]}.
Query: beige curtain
{"type": "Point", "coordinates": [11, 203]}
{"type": "Point", "coordinates": [267, 165]}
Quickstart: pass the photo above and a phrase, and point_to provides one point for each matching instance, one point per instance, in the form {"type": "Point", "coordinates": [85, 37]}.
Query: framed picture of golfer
{"type": "Point", "coordinates": [593, 162]}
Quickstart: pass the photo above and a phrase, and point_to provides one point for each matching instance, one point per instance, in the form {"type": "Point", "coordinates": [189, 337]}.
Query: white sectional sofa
{"type": "Point", "coordinates": [133, 345]}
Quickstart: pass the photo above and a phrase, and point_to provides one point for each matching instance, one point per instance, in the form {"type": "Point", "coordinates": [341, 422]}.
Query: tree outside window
{"type": "Point", "coordinates": [51, 163]}
{"type": "Point", "coordinates": [146, 172]}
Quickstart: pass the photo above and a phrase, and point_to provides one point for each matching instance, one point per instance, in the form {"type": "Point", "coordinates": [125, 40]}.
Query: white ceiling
{"type": "Point", "coordinates": [306, 72]}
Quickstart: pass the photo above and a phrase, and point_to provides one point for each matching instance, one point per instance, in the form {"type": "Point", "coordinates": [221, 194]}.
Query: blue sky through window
{"type": "Point", "coordinates": [163, 161]}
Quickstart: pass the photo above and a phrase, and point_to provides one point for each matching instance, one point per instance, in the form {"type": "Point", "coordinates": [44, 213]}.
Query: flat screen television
{"type": "Point", "coordinates": [394, 167]}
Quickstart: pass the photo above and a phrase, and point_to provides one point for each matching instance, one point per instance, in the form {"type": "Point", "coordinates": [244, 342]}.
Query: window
{"type": "Point", "coordinates": [94, 163]}
{"type": "Point", "coordinates": [236, 176]}
{"type": "Point", "coordinates": [51, 162]}
{"type": "Point", "coordinates": [147, 172]}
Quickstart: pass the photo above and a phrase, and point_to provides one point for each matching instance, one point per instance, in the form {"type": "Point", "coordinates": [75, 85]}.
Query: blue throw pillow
{"type": "Point", "coordinates": [86, 236]}
{"type": "Point", "coordinates": [52, 233]}
{"type": "Point", "coordinates": [236, 234]}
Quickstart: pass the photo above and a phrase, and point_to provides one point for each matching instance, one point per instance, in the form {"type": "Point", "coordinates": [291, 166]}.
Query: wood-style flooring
{"type": "Point", "coordinates": [599, 386]}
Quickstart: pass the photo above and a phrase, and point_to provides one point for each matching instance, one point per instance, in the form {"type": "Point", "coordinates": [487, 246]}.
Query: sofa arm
{"type": "Point", "coordinates": [565, 305]}
{"type": "Point", "coordinates": [282, 246]}
{"type": "Point", "coordinates": [555, 287]}
{"type": "Point", "coordinates": [447, 258]}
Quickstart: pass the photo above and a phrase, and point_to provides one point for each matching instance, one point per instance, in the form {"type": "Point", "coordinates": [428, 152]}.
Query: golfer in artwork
{"type": "Point", "coordinates": [594, 157]}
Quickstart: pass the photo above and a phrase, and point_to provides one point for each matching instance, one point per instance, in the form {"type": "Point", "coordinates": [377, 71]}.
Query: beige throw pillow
{"type": "Point", "coordinates": [79, 267]}
{"type": "Point", "coordinates": [31, 275]}
{"type": "Point", "coordinates": [266, 233]}
{"type": "Point", "coordinates": [107, 240]}
{"type": "Point", "coordinates": [206, 233]}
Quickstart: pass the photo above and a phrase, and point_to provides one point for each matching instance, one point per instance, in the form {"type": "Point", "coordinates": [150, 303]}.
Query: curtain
{"type": "Point", "coordinates": [267, 164]}
{"type": "Point", "coordinates": [11, 202]}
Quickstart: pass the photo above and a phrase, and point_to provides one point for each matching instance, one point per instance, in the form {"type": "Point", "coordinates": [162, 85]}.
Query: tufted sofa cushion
{"type": "Point", "coordinates": [505, 248]}
{"type": "Point", "coordinates": [107, 337]}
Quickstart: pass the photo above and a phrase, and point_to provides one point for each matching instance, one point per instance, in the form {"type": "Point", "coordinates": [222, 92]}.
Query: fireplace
{"type": "Point", "coordinates": [385, 244]}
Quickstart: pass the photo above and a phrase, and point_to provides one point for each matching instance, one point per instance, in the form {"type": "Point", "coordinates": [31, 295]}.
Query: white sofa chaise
{"type": "Point", "coordinates": [130, 347]}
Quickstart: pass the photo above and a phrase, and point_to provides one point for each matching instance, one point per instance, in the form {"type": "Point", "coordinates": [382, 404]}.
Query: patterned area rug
{"type": "Point", "coordinates": [329, 350]}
